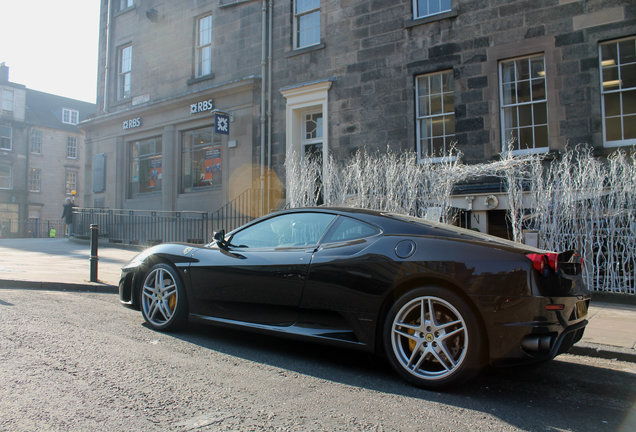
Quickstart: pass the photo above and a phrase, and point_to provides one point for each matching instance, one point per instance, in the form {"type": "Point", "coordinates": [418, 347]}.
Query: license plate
{"type": "Point", "coordinates": [581, 308]}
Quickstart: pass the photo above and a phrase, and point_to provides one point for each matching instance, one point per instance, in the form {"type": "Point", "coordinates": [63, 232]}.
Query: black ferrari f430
{"type": "Point", "coordinates": [439, 301]}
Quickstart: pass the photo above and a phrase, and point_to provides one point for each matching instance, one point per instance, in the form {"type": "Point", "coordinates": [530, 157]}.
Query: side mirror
{"type": "Point", "coordinates": [219, 238]}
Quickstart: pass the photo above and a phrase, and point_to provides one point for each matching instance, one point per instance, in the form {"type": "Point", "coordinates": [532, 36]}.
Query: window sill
{"type": "Point", "coordinates": [410, 23]}
{"type": "Point", "coordinates": [540, 150]}
{"type": "Point", "coordinates": [616, 144]}
{"type": "Point", "coordinates": [437, 160]}
{"type": "Point", "coordinates": [305, 50]}
{"type": "Point", "coordinates": [123, 11]}
{"type": "Point", "coordinates": [121, 102]}
{"type": "Point", "coordinates": [142, 195]}
{"type": "Point", "coordinates": [231, 3]}
{"type": "Point", "coordinates": [196, 80]}
{"type": "Point", "coordinates": [201, 189]}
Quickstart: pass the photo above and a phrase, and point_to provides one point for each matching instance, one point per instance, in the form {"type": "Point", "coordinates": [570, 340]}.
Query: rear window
{"type": "Point", "coordinates": [349, 229]}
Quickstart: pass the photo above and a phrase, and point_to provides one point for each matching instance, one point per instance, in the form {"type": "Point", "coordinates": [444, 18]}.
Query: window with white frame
{"type": "Point", "coordinates": [70, 116]}
{"type": "Point", "coordinates": [312, 134]}
{"type": "Point", "coordinates": [125, 4]}
{"type": "Point", "coordinates": [36, 141]}
{"type": "Point", "coordinates": [124, 72]}
{"type": "Point", "coordinates": [524, 105]}
{"type": "Point", "coordinates": [618, 91]}
{"type": "Point", "coordinates": [435, 112]}
{"type": "Point", "coordinates": [306, 23]}
{"type": "Point", "coordinates": [6, 137]}
{"type": "Point", "coordinates": [306, 118]}
{"type": "Point", "coordinates": [7, 100]}
{"type": "Point", "coordinates": [70, 182]}
{"type": "Point", "coordinates": [6, 176]}
{"type": "Point", "coordinates": [71, 147]}
{"type": "Point", "coordinates": [425, 8]}
{"type": "Point", "coordinates": [311, 142]}
{"type": "Point", "coordinates": [35, 180]}
{"type": "Point", "coordinates": [204, 46]}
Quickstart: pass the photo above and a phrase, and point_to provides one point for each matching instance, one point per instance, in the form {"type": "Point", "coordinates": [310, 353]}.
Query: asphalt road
{"type": "Point", "coordinates": [79, 361]}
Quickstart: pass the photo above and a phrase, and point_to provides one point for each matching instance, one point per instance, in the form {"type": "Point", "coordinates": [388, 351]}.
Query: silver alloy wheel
{"type": "Point", "coordinates": [429, 338]}
{"type": "Point", "coordinates": [159, 296]}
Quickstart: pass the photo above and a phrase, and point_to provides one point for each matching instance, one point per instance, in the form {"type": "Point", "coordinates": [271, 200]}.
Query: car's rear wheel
{"type": "Point", "coordinates": [163, 299]}
{"type": "Point", "coordinates": [432, 338]}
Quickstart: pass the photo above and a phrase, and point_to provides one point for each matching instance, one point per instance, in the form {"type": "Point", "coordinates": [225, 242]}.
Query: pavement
{"type": "Point", "coordinates": [63, 264]}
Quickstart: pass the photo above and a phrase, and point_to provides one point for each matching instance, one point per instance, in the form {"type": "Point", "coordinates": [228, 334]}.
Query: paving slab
{"type": "Point", "coordinates": [59, 261]}
{"type": "Point", "coordinates": [611, 324]}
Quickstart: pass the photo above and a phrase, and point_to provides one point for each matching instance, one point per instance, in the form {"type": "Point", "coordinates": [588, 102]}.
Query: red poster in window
{"type": "Point", "coordinates": [155, 172]}
{"type": "Point", "coordinates": [212, 164]}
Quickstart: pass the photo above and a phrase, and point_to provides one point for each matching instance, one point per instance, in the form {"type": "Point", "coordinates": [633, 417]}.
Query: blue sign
{"type": "Point", "coordinates": [222, 124]}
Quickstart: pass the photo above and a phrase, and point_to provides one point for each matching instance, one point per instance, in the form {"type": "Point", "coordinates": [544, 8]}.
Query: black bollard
{"type": "Point", "coordinates": [94, 258]}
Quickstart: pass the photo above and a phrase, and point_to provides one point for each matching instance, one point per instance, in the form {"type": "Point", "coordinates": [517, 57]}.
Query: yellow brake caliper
{"type": "Point", "coordinates": [411, 341]}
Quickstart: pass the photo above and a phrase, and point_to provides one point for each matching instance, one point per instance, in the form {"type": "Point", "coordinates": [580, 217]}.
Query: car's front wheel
{"type": "Point", "coordinates": [163, 299]}
{"type": "Point", "coordinates": [432, 338]}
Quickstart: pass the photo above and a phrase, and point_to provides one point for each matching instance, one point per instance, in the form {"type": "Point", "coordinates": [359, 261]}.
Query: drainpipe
{"type": "Point", "coordinates": [269, 107]}
{"type": "Point", "coordinates": [263, 97]}
{"type": "Point", "coordinates": [27, 192]}
{"type": "Point", "coordinates": [107, 64]}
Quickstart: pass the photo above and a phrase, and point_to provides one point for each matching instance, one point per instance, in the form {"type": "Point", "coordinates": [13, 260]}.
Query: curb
{"type": "Point", "coordinates": [603, 351]}
{"type": "Point", "coordinates": [95, 287]}
{"type": "Point", "coordinates": [615, 298]}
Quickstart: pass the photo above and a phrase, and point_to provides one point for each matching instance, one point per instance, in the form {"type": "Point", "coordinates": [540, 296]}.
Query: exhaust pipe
{"type": "Point", "coordinates": [537, 343]}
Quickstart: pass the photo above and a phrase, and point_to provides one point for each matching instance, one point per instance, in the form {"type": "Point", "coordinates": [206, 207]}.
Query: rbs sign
{"type": "Point", "coordinates": [132, 123]}
{"type": "Point", "coordinates": [201, 106]}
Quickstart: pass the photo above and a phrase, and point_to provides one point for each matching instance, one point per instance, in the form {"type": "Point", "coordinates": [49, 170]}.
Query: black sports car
{"type": "Point", "coordinates": [439, 301]}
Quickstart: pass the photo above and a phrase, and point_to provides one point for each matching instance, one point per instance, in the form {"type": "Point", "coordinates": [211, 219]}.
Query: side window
{"type": "Point", "coordinates": [350, 229]}
{"type": "Point", "coordinates": [288, 230]}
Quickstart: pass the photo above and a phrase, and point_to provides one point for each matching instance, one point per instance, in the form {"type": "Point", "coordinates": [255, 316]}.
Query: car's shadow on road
{"type": "Point", "coordinates": [557, 395]}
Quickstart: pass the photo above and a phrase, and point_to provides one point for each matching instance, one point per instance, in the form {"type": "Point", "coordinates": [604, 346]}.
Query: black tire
{"type": "Point", "coordinates": [437, 353]}
{"type": "Point", "coordinates": [162, 299]}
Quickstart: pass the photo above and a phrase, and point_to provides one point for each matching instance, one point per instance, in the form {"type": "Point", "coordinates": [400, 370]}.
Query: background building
{"type": "Point", "coordinates": [327, 78]}
{"type": "Point", "coordinates": [163, 68]}
{"type": "Point", "coordinates": [41, 156]}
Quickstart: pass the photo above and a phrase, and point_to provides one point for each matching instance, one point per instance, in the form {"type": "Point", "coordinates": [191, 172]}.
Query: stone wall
{"type": "Point", "coordinates": [374, 49]}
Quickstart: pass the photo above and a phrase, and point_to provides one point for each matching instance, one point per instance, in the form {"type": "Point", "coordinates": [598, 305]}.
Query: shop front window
{"type": "Point", "coordinates": [201, 159]}
{"type": "Point", "coordinates": [145, 166]}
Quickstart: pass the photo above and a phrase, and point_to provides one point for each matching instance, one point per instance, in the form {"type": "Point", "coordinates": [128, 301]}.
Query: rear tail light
{"type": "Point", "coordinates": [568, 262]}
{"type": "Point", "coordinates": [553, 261]}
{"type": "Point", "coordinates": [539, 262]}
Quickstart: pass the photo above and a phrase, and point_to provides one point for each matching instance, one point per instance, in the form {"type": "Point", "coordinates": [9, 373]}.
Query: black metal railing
{"type": "Point", "coordinates": [142, 227]}
{"type": "Point", "coordinates": [148, 227]}
{"type": "Point", "coordinates": [31, 228]}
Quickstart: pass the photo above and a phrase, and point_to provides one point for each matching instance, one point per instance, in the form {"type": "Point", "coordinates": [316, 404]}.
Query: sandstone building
{"type": "Point", "coordinates": [328, 77]}
{"type": "Point", "coordinates": [41, 156]}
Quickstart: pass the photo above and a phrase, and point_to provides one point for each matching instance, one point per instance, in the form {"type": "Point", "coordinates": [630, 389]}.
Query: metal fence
{"type": "Point", "coordinates": [148, 227]}
{"type": "Point", "coordinates": [31, 228]}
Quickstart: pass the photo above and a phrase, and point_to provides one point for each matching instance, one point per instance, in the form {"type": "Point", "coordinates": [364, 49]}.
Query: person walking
{"type": "Point", "coordinates": [67, 216]}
